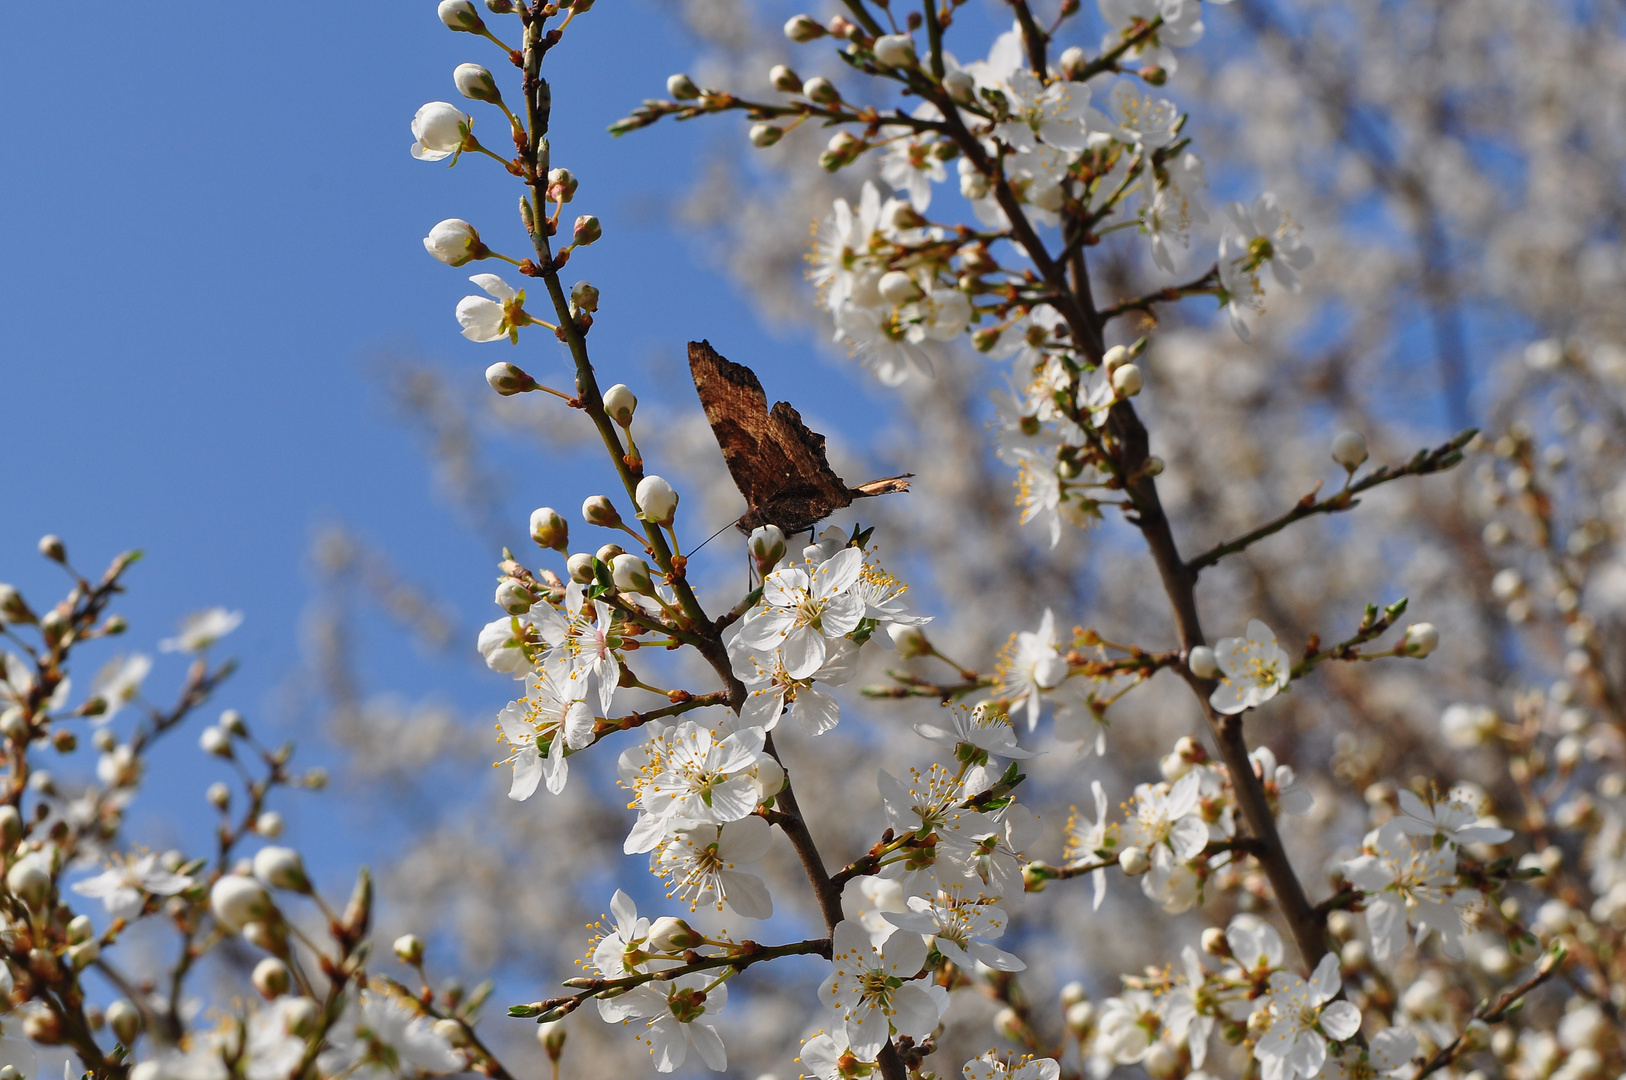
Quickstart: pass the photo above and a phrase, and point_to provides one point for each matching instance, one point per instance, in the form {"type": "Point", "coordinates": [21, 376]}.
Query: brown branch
{"type": "Point", "coordinates": [1495, 1014]}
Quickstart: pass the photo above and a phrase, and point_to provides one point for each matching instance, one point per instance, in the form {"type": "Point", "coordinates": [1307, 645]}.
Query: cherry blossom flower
{"type": "Point", "coordinates": [829, 1055]}
{"type": "Point", "coordinates": [1128, 1025]}
{"type": "Point", "coordinates": [867, 899]}
{"type": "Point", "coordinates": [843, 269]}
{"type": "Point", "coordinates": [379, 1036]}
{"type": "Point", "coordinates": [800, 609]}
{"type": "Point", "coordinates": [1162, 815]}
{"type": "Point", "coordinates": [498, 317]}
{"type": "Point", "coordinates": [621, 952]}
{"type": "Point", "coordinates": [1453, 818]}
{"type": "Point", "coordinates": [1406, 881]}
{"type": "Point", "coordinates": [1256, 947]}
{"type": "Point", "coordinates": [1169, 215]}
{"type": "Point", "coordinates": [991, 1066]}
{"type": "Point", "coordinates": [1304, 1017]}
{"type": "Point", "coordinates": [911, 164]}
{"type": "Point", "coordinates": [1264, 235]}
{"type": "Point", "coordinates": [1389, 1055]}
{"type": "Point", "coordinates": [881, 342]}
{"type": "Point", "coordinates": [869, 988]}
{"type": "Point", "coordinates": [592, 645]}
{"type": "Point", "coordinates": [706, 779]}
{"type": "Point", "coordinates": [1280, 782]}
{"type": "Point", "coordinates": [1183, 1008]}
{"type": "Point", "coordinates": [553, 711]}
{"type": "Point", "coordinates": [995, 855]}
{"type": "Point", "coordinates": [959, 927]}
{"type": "Point", "coordinates": [439, 130]}
{"type": "Point", "coordinates": [202, 629]}
{"type": "Point", "coordinates": [702, 865]}
{"type": "Point", "coordinates": [1253, 669]}
{"type": "Point", "coordinates": [1181, 27]}
{"type": "Point", "coordinates": [504, 642]}
{"type": "Point", "coordinates": [119, 683]}
{"type": "Point", "coordinates": [977, 736]}
{"type": "Point", "coordinates": [770, 687]}
{"type": "Point", "coordinates": [1056, 113]}
{"type": "Point", "coordinates": [1038, 490]}
{"type": "Point", "coordinates": [124, 886]}
{"type": "Point", "coordinates": [677, 1016]}
{"type": "Point", "coordinates": [1035, 664]}
{"type": "Point", "coordinates": [1093, 840]}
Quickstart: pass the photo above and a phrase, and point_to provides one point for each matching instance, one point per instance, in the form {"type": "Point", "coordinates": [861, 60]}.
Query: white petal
{"type": "Point", "coordinates": [1340, 1020]}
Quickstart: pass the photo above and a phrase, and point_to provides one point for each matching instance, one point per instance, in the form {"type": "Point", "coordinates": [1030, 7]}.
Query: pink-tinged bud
{"type": "Point", "coordinates": [1349, 449]}
{"type": "Point", "coordinates": [1128, 380]}
{"type": "Point", "coordinates": [783, 78]}
{"type": "Point", "coordinates": [549, 529]}
{"type": "Point", "coordinates": [562, 184]}
{"type": "Point", "coordinates": [501, 7]}
{"type": "Point", "coordinates": [682, 87]}
{"type": "Point", "coordinates": [843, 28]}
{"type": "Point", "coordinates": [767, 547]}
{"type": "Point", "coordinates": [631, 573]}
{"type": "Point", "coordinates": [580, 567]}
{"type": "Point", "coordinates": [1203, 663]}
{"type": "Point", "coordinates": [820, 90]}
{"type": "Point", "coordinates": [1080, 1017]}
{"type": "Point", "coordinates": [802, 28]}
{"type": "Point", "coordinates": [1154, 75]}
{"type": "Point", "coordinates": [1421, 639]}
{"type": "Point", "coordinates": [1008, 1024]}
{"type": "Point", "coordinates": [657, 502]}
{"type": "Point", "coordinates": [895, 50]}
{"type": "Point", "coordinates": [460, 15]}
{"type": "Point", "coordinates": [584, 296]}
{"type": "Point", "coordinates": [475, 82]}
{"type": "Point", "coordinates": [586, 231]}
{"type": "Point", "coordinates": [455, 242]}
{"type": "Point", "coordinates": [765, 135]}
{"type": "Point", "coordinates": [620, 403]}
{"type": "Point", "coordinates": [508, 380]}
{"type": "Point", "coordinates": [599, 510]}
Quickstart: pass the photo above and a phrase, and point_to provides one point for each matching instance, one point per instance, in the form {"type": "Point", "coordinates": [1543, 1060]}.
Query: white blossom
{"type": "Point", "coordinates": [123, 887]}
{"type": "Point", "coordinates": [202, 629]}
{"type": "Point", "coordinates": [677, 1018]}
{"type": "Point", "coordinates": [1303, 1017]}
{"type": "Point", "coordinates": [864, 986]}
{"type": "Point", "coordinates": [1253, 669]}
{"type": "Point", "coordinates": [800, 609]}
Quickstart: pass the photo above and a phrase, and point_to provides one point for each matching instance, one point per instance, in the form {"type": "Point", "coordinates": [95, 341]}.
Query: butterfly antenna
{"type": "Point", "coordinates": [713, 536]}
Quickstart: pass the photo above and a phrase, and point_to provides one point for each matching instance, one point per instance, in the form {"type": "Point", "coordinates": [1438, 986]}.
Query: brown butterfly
{"type": "Point", "coordinates": [777, 463]}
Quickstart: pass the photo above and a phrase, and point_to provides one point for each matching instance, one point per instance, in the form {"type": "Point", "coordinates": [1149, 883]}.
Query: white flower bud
{"type": "Point", "coordinates": [29, 880]}
{"type": "Point", "coordinates": [586, 231]}
{"type": "Point", "coordinates": [440, 129]}
{"type": "Point", "coordinates": [14, 726]}
{"type": "Point", "coordinates": [455, 242]}
{"type": "Point", "coordinates": [1214, 943]}
{"type": "Point", "coordinates": [552, 1037]}
{"type": "Point", "coordinates": [52, 548]}
{"type": "Point", "coordinates": [608, 552]}
{"type": "Point", "coordinates": [460, 15]}
{"type": "Point", "coordinates": [671, 935]}
{"type": "Point", "coordinates": [802, 28]}
{"type": "Point", "coordinates": [80, 929]}
{"type": "Point", "coordinates": [237, 901]}
{"type": "Point", "coordinates": [1203, 663]}
{"type": "Point", "coordinates": [1354, 955]}
{"type": "Point", "coordinates": [1072, 63]}
{"type": "Point", "coordinates": [765, 135]}
{"type": "Point", "coordinates": [898, 287]}
{"type": "Point", "coordinates": [1128, 380]}
{"type": "Point", "coordinates": [508, 379]}
{"type": "Point", "coordinates": [513, 597]}
{"type": "Point", "coordinates": [316, 779]}
{"type": "Point", "coordinates": [580, 567]}
{"type": "Point", "coordinates": [895, 50]}
{"type": "Point", "coordinates": [821, 90]}
{"type": "Point", "coordinates": [1134, 861]}
{"type": "Point", "coordinates": [453, 1032]}
{"type": "Point", "coordinates": [1349, 449]}
{"type": "Point", "coordinates": [1421, 639]}
{"type": "Point", "coordinates": [1506, 584]}
{"type": "Point", "coordinates": [657, 502]}
{"type": "Point", "coordinates": [783, 78]}
{"type": "Point", "coordinates": [620, 403]}
{"type": "Point", "coordinates": [562, 185]}
{"type": "Point", "coordinates": [1115, 358]}
{"type": "Point", "coordinates": [960, 86]}
{"type": "Point", "coordinates": [1161, 1061]}
{"type": "Point", "coordinates": [682, 88]}
{"type": "Point", "coordinates": [231, 722]}
{"type": "Point", "coordinates": [599, 510]}
{"type": "Point", "coordinates": [908, 640]}
{"type": "Point", "coordinates": [269, 824]}
{"type": "Point", "coordinates": [549, 530]}
{"type": "Point", "coordinates": [631, 573]}
{"type": "Point", "coordinates": [281, 868]}
{"type": "Point", "coordinates": [216, 741]}
{"type": "Point", "coordinates": [13, 608]}
{"type": "Point", "coordinates": [1008, 1024]}
{"type": "Point", "coordinates": [476, 83]}
{"type": "Point", "coordinates": [271, 978]}
{"type": "Point", "coordinates": [11, 826]}
{"type": "Point", "coordinates": [125, 1020]}
{"type": "Point", "coordinates": [584, 296]}
{"type": "Point", "coordinates": [973, 183]}
{"type": "Point", "coordinates": [1080, 1017]}
{"type": "Point", "coordinates": [767, 546]}
{"type": "Point", "coordinates": [409, 949]}
{"type": "Point", "coordinates": [219, 795]}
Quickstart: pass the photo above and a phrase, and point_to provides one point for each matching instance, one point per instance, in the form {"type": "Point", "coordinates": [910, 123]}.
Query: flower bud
{"type": "Point", "coordinates": [1072, 994]}
{"type": "Point", "coordinates": [1162, 1061]}
{"type": "Point", "coordinates": [580, 568]}
{"type": "Point", "coordinates": [13, 726]}
{"type": "Point", "coordinates": [29, 880]}
{"type": "Point", "coordinates": [508, 379]}
{"type": "Point", "coordinates": [125, 1020]}
{"type": "Point", "coordinates": [440, 129]}
{"type": "Point", "coordinates": [549, 529]}
{"type": "Point", "coordinates": [270, 936]}
{"type": "Point", "coordinates": [215, 741]}
{"type": "Point", "coordinates": [897, 287]}
{"type": "Point", "coordinates": [455, 242]}
{"type": "Point", "coordinates": [11, 826]}
{"type": "Point", "coordinates": [584, 296]}
{"type": "Point", "coordinates": [586, 231]}
{"type": "Point", "coordinates": [500, 7]}
{"type": "Point", "coordinates": [460, 15]}
{"type": "Point", "coordinates": [1080, 1018]}
{"type": "Point", "coordinates": [1354, 955]}
{"type": "Point", "coordinates": [13, 608]}
{"type": "Point", "coordinates": [671, 935]}
{"type": "Point", "coordinates": [237, 901]}
{"type": "Point", "coordinates": [281, 868]}
{"type": "Point", "coordinates": [451, 1030]}
{"type": "Point", "coordinates": [767, 547]}
{"type": "Point", "coordinates": [269, 824]}
{"type": "Point", "coordinates": [271, 978]}
{"type": "Point", "coordinates": [409, 949]}
{"type": "Point", "coordinates": [513, 597]}
{"type": "Point", "coordinates": [316, 779]}
{"type": "Point", "coordinates": [562, 185]}
{"type": "Point", "coordinates": [908, 640]}
{"type": "Point", "coordinates": [1203, 663]}
{"type": "Point", "coordinates": [960, 86]}
{"type": "Point", "coordinates": [1072, 63]}
{"type": "Point", "coordinates": [657, 502]}
{"type": "Point", "coordinates": [1214, 943]}
{"type": "Point", "coordinates": [52, 548]}
{"type": "Point", "coordinates": [765, 135]}
{"type": "Point", "coordinates": [80, 929]}
{"type": "Point", "coordinates": [1421, 639]}
{"type": "Point", "coordinates": [783, 78]}
{"type": "Point", "coordinates": [219, 795]}
{"type": "Point", "coordinates": [476, 83]}
{"type": "Point", "coordinates": [1349, 449]}
{"type": "Point", "coordinates": [598, 510]}
{"type": "Point", "coordinates": [1008, 1024]}
{"type": "Point", "coordinates": [682, 87]}
{"type": "Point", "coordinates": [620, 402]}
{"type": "Point", "coordinates": [1128, 380]}
{"type": "Point", "coordinates": [821, 90]}
{"type": "Point", "coordinates": [1115, 358]}
{"type": "Point", "coordinates": [552, 1037]}
{"type": "Point", "coordinates": [608, 552]}
{"type": "Point", "coordinates": [1134, 861]}
{"type": "Point", "coordinates": [895, 50]}
{"type": "Point", "coordinates": [802, 28]}
{"type": "Point", "coordinates": [844, 28]}
{"type": "Point", "coordinates": [631, 573]}
{"type": "Point", "coordinates": [973, 183]}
